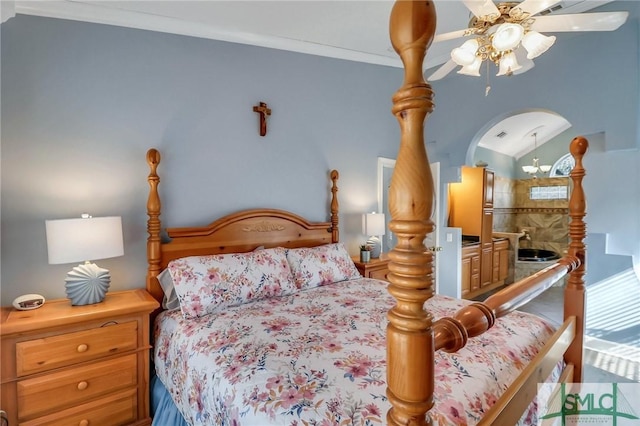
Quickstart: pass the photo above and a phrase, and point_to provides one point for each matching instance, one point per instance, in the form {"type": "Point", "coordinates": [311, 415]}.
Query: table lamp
{"type": "Point", "coordinates": [373, 225]}
{"type": "Point", "coordinates": [85, 239]}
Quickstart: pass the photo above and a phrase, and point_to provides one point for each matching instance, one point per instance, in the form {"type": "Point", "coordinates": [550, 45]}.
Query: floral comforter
{"type": "Point", "coordinates": [317, 357]}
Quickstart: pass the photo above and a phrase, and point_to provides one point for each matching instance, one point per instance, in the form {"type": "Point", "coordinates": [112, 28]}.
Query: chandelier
{"type": "Point", "coordinates": [536, 167]}
{"type": "Point", "coordinates": [498, 39]}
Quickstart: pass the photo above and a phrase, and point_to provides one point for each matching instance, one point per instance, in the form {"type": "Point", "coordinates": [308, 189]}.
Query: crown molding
{"type": "Point", "coordinates": [100, 14]}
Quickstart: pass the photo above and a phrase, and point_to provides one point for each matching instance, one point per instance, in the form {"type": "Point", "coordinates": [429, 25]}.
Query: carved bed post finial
{"type": "Point", "coordinates": [410, 342]}
{"type": "Point", "coordinates": [574, 292]}
{"type": "Point", "coordinates": [335, 231]}
{"type": "Point", "coordinates": [153, 225]}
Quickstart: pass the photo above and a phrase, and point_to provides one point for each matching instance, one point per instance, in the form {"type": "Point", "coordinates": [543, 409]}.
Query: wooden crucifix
{"type": "Point", "coordinates": [264, 111]}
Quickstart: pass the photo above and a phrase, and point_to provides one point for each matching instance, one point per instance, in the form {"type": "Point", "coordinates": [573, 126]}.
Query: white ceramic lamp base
{"type": "Point", "coordinates": [376, 246]}
{"type": "Point", "coordinates": [87, 284]}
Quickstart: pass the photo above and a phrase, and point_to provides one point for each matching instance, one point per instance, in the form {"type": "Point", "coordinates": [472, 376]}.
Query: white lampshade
{"type": "Point", "coordinates": [373, 225]}
{"type": "Point", "coordinates": [530, 169]}
{"type": "Point", "coordinates": [78, 240]}
{"type": "Point", "coordinates": [536, 44]}
{"type": "Point", "coordinates": [85, 239]}
{"type": "Point", "coordinates": [465, 54]}
{"type": "Point", "coordinates": [545, 168]}
{"type": "Point", "coordinates": [473, 69]}
{"type": "Point", "coordinates": [507, 36]}
{"type": "Point", "coordinates": [508, 64]}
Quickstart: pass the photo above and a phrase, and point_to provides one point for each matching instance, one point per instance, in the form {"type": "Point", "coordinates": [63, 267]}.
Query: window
{"type": "Point", "coordinates": [549, 192]}
{"type": "Point", "coordinates": [563, 166]}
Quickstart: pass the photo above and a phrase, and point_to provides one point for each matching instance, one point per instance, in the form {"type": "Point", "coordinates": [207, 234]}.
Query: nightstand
{"type": "Point", "coordinates": [83, 365]}
{"type": "Point", "coordinates": [375, 268]}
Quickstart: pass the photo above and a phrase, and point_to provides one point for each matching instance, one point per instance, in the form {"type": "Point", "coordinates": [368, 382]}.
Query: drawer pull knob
{"type": "Point", "coordinates": [83, 422]}
{"type": "Point", "coordinates": [82, 348]}
{"type": "Point", "coordinates": [82, 385]}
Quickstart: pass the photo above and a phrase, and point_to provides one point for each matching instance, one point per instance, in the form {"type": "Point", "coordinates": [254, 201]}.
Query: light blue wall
{"type": "Point", "coordinates": [503, 165]}
{"type": "Point", "coordinates": [82, 103]}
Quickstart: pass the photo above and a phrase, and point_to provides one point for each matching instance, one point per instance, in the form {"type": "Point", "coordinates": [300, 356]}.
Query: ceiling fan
{"type": "Point", "coordinates": [509, 35]}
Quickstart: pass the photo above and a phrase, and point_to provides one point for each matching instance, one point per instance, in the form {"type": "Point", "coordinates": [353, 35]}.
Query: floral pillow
{"type": "Point", "coordinates": [316, 266]}
{"type": "Point", "coordinates": [209, 284]}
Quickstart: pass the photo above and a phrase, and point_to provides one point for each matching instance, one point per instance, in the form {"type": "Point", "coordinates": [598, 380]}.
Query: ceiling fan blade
{"type": "Point", "coordinates": [482, 8]}
{"type": "Point", "coordinates": [601, 21]}
{"type": "Point", "coordinates": [450, 35]}
{"type": "Point", "coordinates": [526, 63]}
{"type": "Point", "coordinates": [442, 71]}
{"type": "Point", "coordinates": [535, 6]}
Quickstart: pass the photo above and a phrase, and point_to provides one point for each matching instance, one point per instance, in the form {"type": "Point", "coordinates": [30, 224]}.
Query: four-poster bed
{"type": "Point", "coordinates": [415, 340]}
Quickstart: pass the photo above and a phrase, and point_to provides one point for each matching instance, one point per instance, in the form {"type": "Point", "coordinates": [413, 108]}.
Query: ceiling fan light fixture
{"type": "Point", "coordinates": [507, 36]}
{"type": "Point", "coordinates": [536, 44]}
{"type": "Point", "coordinates": [500, 27]}
{"type": "Point", "coordinates": [465, 54]}
{"type": "Point", "coordinates": [473, 69]}
{"type": "Point", "coordinates": [508, 64]}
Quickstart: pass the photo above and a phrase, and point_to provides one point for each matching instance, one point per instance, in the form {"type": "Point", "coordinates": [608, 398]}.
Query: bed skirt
{"type": "Point", "coordinates": [163, 409]}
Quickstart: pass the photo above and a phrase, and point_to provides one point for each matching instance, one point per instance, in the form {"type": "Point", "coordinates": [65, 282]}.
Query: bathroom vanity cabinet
{"type": "Point", "coordinates": [471, 203]}
{"type": "Point", "coordinates": [470, 277]}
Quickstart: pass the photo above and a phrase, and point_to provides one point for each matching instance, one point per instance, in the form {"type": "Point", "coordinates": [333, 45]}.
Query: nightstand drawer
{"type": "Point", "coordinates": [66, 349]}
{"type": "Point", "coordinates": [115, 410]}
{"type": "Point", "coordinates": [379, 274]}
{"type": "Point", "coordinates": [71, 387]}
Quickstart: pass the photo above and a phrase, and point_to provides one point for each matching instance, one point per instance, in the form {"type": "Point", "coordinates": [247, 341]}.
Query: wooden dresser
{"type": "Point", "coordinates": [78, 365]}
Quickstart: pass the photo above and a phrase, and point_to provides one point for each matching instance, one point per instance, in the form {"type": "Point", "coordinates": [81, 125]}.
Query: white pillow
{"type": "Point", "coordinates": [321, 265]}
{"type": "Point", "coordinates": [170, 300]}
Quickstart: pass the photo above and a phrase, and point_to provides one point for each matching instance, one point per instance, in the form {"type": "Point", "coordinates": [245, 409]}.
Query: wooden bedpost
{"type": "Point", "coordinates": [574, 292]}
{"type": "Point", "coordinates": [153, 226]}
{"type": "Point", "coordinates": [410, 342]}
{"type": "Point", "coordinates": [335, 231]}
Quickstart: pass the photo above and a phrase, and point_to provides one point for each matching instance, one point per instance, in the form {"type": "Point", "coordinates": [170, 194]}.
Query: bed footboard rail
{"type": "Point", "coordinates": [452, 333]}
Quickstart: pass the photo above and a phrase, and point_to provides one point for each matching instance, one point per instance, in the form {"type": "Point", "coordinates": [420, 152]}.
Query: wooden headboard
{"type": "Point", "coordinates": [235, 233]}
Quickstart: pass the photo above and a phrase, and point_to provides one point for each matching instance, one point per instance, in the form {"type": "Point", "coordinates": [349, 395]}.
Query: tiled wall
{"type": "Point", "coordinates": [504, 197]}
{"type": "Point", "coordinates": [546, 220]}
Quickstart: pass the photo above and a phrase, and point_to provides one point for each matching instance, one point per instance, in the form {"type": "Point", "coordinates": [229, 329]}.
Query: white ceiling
{"type": "Point", "coordinates": [351, 30]}
{"type": "Point", "coordinates": [514, 135]}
